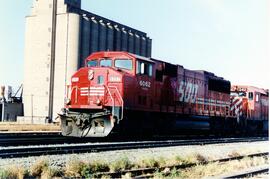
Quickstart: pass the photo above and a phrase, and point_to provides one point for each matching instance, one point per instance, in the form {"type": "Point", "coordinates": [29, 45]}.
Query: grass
{"type": "Point", "coordinates": [234, 154]}
{"type": "Point", "coordinates": [121, 164]}
{"type": "Point", "coordinates": [148, 163]}
{"type": "Point", "coordinates": [42, 169]}
{"type": "Point", "coordinates": [94, 167]}
{"type": "Point", "coordinates": [195, 158]}
{"type": "Point", "coordinates": [13, 172]}
{"type": "Point", "coordinates": [76, 168]}
{"type": "Point", "coordinates": [214, 169]}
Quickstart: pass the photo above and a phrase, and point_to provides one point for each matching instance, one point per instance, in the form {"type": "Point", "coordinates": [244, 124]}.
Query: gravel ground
{"type": "Point", "coordinates": [213, 151]}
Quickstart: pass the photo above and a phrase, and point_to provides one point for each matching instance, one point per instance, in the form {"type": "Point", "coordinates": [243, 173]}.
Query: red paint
{"type": "Point", "coordinates": [185, 92]}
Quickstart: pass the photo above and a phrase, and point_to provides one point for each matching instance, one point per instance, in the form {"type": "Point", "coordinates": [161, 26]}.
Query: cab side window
{"type": "Point", "coordinates": [144, 68]}
{"type": "Point", "coordinates": [257, 98]}
{"type": "Point", "coordinates": [250, 95]}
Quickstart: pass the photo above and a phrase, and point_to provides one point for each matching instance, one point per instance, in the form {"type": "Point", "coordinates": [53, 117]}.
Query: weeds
{"type": "Point", "coordinates": [200, 158]}
{"type": "Point", "coordinates": [94, 167]}
{"type": "Point", "coordinates": [216, 168]}
{"type": "Point", "coordinates": [42, 169]}
{"type": "Point", "coordinates": [75, 168]}
{"type": "Point", "coordinates": [49, 173]}
{"type": "Point", "coordinates": [150, 162]}
{"type": "Point", "coordinates": [122, 164]}
{"type": "Point", "coordinates": [13, 172]}
{"type": "Point", "coordinates": [234, 154]}
{"type": "Point", "coordinates": [195, 158]}
{"type": "Point", "coordinates": [39, 167]}
{"type": "Point", "coordinates": [174, 173]}
{"type": "Point", "coordinates": [7, 174]}
{"type": "Point", "coordinates": [158, 174]}
{"type": "Point", "coordinates": [178, 160]}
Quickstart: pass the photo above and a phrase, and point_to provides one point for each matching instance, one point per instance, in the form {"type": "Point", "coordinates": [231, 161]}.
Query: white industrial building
{"type": "Point", "coordinates": [58, 36]}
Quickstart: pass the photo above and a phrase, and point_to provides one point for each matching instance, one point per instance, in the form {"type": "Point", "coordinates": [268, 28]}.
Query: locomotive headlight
{"type": "Point", "coordinates": [75, 79]}
{"type": "Point", "coordinates": [67, 101]}
{"type": "Point", "coordinates": [98, 102]}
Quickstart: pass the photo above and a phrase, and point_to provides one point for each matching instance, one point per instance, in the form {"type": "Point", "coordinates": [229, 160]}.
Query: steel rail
{"type": "Point", "coordinates": [94, 147]}
{"type": "Point", "coordinates": [248, 173]}
{"type": "Point", "coordinates": [148, 172]}
{"type": "Point", "coordinates": [15, 139]}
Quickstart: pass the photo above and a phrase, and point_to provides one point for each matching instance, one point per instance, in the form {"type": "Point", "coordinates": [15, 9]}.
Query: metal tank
{"type": "Point", "coordinates": [137, 44]}
{"type": "Point", "coordinates": [102, 36]}
{"type": "Point", "coordinates": [149, 47]}
{"type": "Point", "coordinates": [131, 42]}
{"type": "Point", "coordinates": [94, 36]}
{"type": "Point", "coordinates": [143, 46]}
{"type": "Point", "coordinates": [117, 38]}
{"type": "Point", "coordinates": [124, 38]}
{"type": "Point", "coordinates": [85, 41]}
{"type": "Point", "coordinates": [67, 61]}
{"type": "Point", "coordinates": [110, 37]}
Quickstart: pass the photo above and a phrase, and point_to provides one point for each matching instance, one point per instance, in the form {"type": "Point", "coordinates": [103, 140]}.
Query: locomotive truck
{"type": "Point", "coordinates": [120, 92]}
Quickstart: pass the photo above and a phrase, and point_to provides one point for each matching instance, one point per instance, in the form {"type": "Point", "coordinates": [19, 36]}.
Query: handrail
{"type": "Point", "coordinates": [111, 98]}
{"type": "Point", "coordinates": [121, 99]}
{"type": "Point", "coordinates": [69, 94]}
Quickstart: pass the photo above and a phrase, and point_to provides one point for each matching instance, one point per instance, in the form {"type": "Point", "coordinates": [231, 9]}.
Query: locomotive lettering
{"type": "Point", "coordinates": [144, 84]}
{"type": "Point", "coordinates": [188, 92]}
{"type": "Point", "coordinates": [114, 79]}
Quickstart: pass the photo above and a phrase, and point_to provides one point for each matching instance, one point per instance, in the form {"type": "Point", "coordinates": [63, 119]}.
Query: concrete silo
{"type": "Point", "coordinates": [59, 36]}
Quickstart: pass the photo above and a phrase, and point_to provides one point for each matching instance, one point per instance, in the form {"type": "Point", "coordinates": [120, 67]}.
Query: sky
{"type": "Point", "coordinates": [230, 38]}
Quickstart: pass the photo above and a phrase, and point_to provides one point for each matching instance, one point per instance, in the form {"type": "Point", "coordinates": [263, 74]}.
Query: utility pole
{"type": "Point", "coordinates": [32, 108]}
{"type": "Point", "coordinates": [53, 41]}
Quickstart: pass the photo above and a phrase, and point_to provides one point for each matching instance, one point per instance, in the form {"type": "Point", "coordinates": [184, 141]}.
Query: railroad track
{"type": "Point", "coordinates": [149, 172]}
{"type": "Point", "coordinates": [39, 138]}
{"type": "Point", "coordinates": [255, 171]}
{"type": "Point", "coordinates": [26, 138]}
{"type": "Point", "coordinates": [47, 138]}
{"type": "Point", "coordinates": [16, 152]}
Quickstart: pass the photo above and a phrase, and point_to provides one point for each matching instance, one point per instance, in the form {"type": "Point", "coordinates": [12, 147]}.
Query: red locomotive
{"type": "Point", "coordinates": [123, 92]}
{"type": "Point", "coordinates": [250, 106]}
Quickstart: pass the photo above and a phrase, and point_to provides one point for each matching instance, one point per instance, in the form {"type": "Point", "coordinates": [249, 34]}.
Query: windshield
{"type": "Point", "coordinates": [123, 63]}
{"type": "Point", "coordinates": [92, 63]}
{"type": "Point", "coordinates": [106, 62]}
{"type": "Point", "coordinates": [238, 93]}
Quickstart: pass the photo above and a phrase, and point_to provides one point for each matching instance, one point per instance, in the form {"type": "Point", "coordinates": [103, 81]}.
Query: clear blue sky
{"type": "Point", "coordinates": [228, 37]}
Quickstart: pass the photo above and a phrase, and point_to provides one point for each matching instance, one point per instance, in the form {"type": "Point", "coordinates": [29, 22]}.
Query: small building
{"type": "Point", "coordinates": [10, 106]}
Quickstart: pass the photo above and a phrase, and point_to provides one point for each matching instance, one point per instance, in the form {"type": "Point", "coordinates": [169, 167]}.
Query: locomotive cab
{"type": "Point", "coordinates": [95, 97]}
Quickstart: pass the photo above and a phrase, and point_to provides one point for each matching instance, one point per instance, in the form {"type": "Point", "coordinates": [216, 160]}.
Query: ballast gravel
{"type": "Point", "coordinates": [212, 151]}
